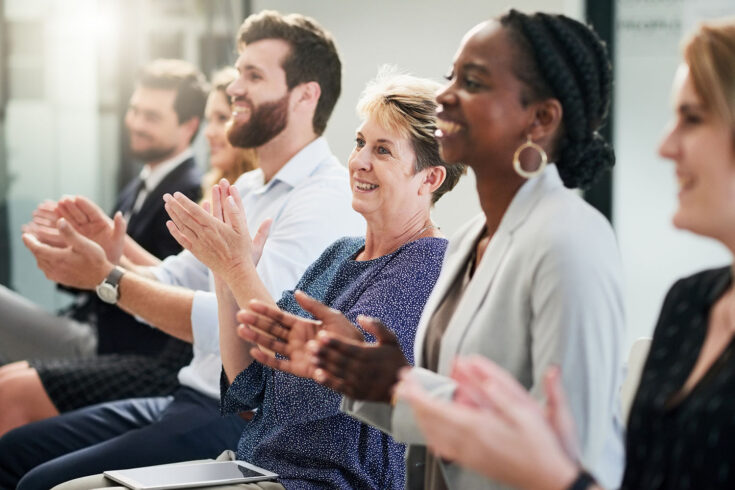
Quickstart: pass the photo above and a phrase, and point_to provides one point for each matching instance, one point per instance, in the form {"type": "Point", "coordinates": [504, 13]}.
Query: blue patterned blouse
{"type": "Point", "coordinates": [298, 430]}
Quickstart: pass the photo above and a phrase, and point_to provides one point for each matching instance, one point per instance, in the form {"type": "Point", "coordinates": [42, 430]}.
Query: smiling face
{"type": "Point", "coordinates": [217, 113]}
{"type": "Point", "coordinates": [153, 126]}
{"type": "Point", "coordinates": [481, 118]}
{"type": "Point", "coordinates": [260, 95]}
{"type": "Point", "coordinates": [382, 175]}
{"type": "Point", "coordinates": [703, 149]}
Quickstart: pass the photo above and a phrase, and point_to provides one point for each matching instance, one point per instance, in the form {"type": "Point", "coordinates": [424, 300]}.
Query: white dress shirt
{"type": "Point", "coordinates": [152, 176]}
{"type": "Point", "coordinates": [309, 200]}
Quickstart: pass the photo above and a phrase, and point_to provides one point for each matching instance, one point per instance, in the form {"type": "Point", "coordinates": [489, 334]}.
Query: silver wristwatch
{"type": "Point", "coordinates": [109, 290]}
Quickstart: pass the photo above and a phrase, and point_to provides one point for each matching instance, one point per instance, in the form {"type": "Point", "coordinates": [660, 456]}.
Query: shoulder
{"type": "Point", "coordinates": [423, 250]}
{"type": "Point", "coordinates": [341, 250]}
{"type": "Point", "coordinates": [705, 286]}
{"type": "Point", "coordinates": [327, 174]}
{"type": "Point", "coordinates": [563, 223]}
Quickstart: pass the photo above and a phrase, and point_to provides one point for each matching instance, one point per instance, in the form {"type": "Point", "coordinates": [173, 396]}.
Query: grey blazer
{"type": "Point", "coordinates": [547, 291]}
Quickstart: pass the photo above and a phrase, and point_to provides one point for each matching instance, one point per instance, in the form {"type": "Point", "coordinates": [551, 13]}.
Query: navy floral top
{"type": "Point", "coordinates": [298, 430]}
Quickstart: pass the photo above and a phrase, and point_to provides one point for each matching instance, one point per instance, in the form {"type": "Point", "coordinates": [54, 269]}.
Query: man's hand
{"type": "Point", "coordinates": [89, 220]}
{"type": "Point", "coordinates": [43, 224]}
{"type": "Point", "coordinates": [82, 264]}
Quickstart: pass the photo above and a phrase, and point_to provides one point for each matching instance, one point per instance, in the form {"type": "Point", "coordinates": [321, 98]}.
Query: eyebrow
{"type": "Point", "coordinates": [690, 107]}
{"type": "Point", "coordinates": [475, 67]}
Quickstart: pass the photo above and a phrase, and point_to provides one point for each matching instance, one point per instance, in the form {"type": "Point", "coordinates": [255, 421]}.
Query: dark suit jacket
{"type": "Point", "coordinates": [118, 331]}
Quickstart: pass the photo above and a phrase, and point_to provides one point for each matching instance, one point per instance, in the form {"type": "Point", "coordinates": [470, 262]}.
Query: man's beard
{"type": "Point", "coordinates": [267, 120]}
{"type": "Point", "coordinates": [156, 154]}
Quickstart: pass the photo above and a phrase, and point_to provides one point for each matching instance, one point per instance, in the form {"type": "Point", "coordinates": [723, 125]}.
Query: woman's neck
{"type": "Point", "coordinates": [388, 235]}
{"type": "Point", "coordinates": [495, 196]}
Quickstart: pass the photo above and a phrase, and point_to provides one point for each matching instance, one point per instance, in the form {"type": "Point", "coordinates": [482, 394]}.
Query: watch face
{"type": "Point", "coordinates": [107, 293]}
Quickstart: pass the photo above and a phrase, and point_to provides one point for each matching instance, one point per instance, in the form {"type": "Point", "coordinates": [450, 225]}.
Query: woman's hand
{"type": "Point", "coordinates": [358, 369]}
{"type": "Point", "coordinates": [220, 238]}
{"type": "Point", "coordinates": [496, 428]}
{"type": "Point", "coordinates": [288, 335]}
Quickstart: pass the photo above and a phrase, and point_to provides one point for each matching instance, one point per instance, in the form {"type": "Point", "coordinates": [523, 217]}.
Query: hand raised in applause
{"type": "Point", "coordinates": [495, 427]}
{"type": "Point", "coordinates": [274, 330]}
{"type": "Point", "coordinates": [359, 369]}
{"type": "Point", "coordinates": [43, 224]}
{"type": "Point", "coordinates": [81, 263]}
{"type": "Point", "coordinates": [90, 221]}
{"type": "Point", "coordinates": [217, 234]}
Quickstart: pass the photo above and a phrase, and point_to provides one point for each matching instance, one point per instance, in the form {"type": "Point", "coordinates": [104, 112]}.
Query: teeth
{"type": "Point", "coordinates": [365, 187]}
{"type": "Point", "coordinates": [447, 127]}
{"type": "Point", "coordinates": [240, 110]}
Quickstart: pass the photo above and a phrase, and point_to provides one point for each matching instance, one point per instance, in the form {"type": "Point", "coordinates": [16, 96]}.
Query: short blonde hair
{"type": "Point", "coordinates": [710, 54]}
{"type": "Point", "coordinates": [406, 105]}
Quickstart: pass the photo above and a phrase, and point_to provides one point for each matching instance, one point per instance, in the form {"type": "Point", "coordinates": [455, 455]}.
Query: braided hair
{"type": "Point", "coordinates": [564, 59]}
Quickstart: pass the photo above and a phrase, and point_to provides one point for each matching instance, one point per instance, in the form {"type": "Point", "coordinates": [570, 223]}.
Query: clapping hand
{"type": "Point", "coordinates": [359, 369]}
{"type": "Point", "coordinates": [81, 263]}
{"type": "Point", "coordinates": [90, 221]}
{"type": "Point", "coordinates": [496, 428]}
{"type": "Point", "coordinates": [291, 336]}
{"type": "Point", "coordinates": [217, 234]}
{"type": "Point", "coordinates": [43, 225]}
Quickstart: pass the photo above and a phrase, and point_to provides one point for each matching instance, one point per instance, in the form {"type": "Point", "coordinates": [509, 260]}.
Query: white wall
{"type": "Point", "coordinates": [52, 141]}
{"type": "Point", "coordinates": [418, 36]}
{"type": "Point", "coordinates": [654, 253]}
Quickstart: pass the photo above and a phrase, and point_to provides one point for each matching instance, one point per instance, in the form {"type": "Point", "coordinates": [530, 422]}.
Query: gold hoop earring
{"type": "Point", "coordinates": [517, 159]}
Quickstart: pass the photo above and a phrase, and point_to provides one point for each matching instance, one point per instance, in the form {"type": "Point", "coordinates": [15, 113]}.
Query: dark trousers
{"type": "Point", "coordinates": [116, 435]}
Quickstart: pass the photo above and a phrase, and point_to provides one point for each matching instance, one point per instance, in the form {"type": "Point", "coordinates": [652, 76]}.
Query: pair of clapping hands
{"type": "Point", "coordinates": [330, 349]}
{"type": "Point", "coordinates": [73, 239]}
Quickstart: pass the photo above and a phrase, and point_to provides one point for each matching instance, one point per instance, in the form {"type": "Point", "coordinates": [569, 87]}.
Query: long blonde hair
{"type": "Point", "coordinates": [246, 157]}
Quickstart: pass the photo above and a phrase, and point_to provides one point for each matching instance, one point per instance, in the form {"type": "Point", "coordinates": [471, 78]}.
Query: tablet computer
{"type": "Point", "coordinates": [187, 475]}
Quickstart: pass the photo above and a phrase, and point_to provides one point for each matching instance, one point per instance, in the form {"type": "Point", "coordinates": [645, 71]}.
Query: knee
{"type": "Point", "coordinates": [15, 458]}
{"type": "Point", "coordinates": [23, 399]}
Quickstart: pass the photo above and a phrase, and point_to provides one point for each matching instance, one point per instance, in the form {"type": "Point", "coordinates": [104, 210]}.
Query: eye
{"type": "Point", "coordinates": [359, 142]}
{"type": "Point", "coordinates": [382, 150]}
{"type": "Point", "coordinates": [471, 84]}
{"type": "Point", "coordinates": [222, 118]}
{"type": "Point", "coordinates": [254, 77]}
{"type": "Point", "coordinates": [449, 75]}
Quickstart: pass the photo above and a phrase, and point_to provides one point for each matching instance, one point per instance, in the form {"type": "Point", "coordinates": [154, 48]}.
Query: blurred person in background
{"type": "Point", "coordinates": [129, 357]}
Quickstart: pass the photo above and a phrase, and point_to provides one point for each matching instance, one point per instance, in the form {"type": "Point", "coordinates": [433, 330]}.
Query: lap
{"type": "Point", "coordinates": [27, 331]}
{"type": "Point", "coordinates": [188, 428]}
{"type": "Point", "coordinates": [99, 481]}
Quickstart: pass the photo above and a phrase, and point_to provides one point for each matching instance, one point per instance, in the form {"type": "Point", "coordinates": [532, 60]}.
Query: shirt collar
{"type": "Point", "coordinates": [299, 167]}
{"type": "Point", "coordinates": [303, 164]}
{"type": "Point", "coordinates": [152, 176]}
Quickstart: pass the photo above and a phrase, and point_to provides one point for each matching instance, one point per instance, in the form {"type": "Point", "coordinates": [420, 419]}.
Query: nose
{"type": "Point", "coordinates": [210, 131]}
{"type": "Point", "coordinates": [360, 160]}
{"type": "Point", "coordinates": [236, 88]}
{"type": "Point", "coordinates": [133, 120]}
{"type": "Point", "coordinates": [446, 95]}
{"type": "Point", "coordinates": [668, 147]}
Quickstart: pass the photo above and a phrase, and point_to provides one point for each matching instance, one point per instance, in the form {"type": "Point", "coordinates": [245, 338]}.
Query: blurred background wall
{"type": "Point", "coordinates": [67, 69]}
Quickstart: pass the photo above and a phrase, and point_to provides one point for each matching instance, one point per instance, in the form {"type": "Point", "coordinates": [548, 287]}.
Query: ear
{"type": "Point", "coordinates": [547, 116]}
{"type": "Point", "coordinates": [190, 127]}
{"type": "Point", "coordinates": [432, 179]}
{"type": "Point", "coordinates": [307, 95]}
